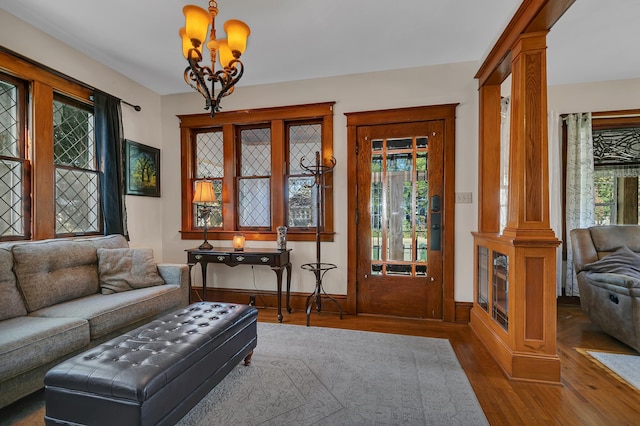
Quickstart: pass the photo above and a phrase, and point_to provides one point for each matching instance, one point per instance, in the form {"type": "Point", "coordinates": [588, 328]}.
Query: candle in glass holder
{"type": "Point", "coordinates": [238, 242]}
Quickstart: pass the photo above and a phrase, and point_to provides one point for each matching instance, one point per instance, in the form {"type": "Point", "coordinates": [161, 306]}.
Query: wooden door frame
{"type": "Point", "coordinates": [446, 113]}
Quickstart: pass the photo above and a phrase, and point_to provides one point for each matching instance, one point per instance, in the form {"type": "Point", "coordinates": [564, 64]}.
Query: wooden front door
{"type": "Point", "coordinates": [400, 215]}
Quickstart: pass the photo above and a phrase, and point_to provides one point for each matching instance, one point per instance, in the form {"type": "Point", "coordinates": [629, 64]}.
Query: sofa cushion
{"type": "Point", "coordinates": [11, 303]}
{"type": "Point", "coordinates": [27, 342]}
{"type": "Point", "coordinates": [126, 269]}
{"type": "Point", "coordinates": [109, 313]}
{"type": "Point", "coordinates": [51, 272]}
{"type": "Point", "coordinates": [622, 262]}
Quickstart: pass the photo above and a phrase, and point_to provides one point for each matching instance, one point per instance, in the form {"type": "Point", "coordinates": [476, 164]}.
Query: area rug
{"type": "Point", "coordinates": [322, 376]}
{"type": "Point", "coordinates": [624, 366]}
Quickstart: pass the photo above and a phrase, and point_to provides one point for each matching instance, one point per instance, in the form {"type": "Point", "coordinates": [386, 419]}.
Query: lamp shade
{"type": "Point", "coordinates": [186, 42]}
{"type": "Point", "coordinates": [197, 22]}
{"type": "Point", "coordinates": [225, 56]}
{"type": "Point", "coordinates": [204, 192]}
{"type": "Point", "coordinates": [237, 34]}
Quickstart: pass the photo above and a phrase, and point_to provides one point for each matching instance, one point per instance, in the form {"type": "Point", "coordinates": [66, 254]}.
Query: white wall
{"type": "Point", "coordinates": [155, 222]}
{"type": "Point", "coordinates": [144, 213]}
{"type": "Point", "coordinates": [451, 83]}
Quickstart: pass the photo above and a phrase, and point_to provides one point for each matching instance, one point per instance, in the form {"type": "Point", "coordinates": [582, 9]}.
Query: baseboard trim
{"type": "Point", "coordinates": [264, 298]}
{"type": "Point", "coordinates": [463, 312]}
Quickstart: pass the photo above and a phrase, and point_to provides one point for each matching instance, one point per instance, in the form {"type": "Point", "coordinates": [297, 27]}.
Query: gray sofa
{"type": "Point", "coordinates": [61, 297]}
{"type": "Point", "coordinates": [607, 265]}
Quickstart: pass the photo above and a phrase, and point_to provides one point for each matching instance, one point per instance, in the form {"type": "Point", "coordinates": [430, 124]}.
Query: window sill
{"type": "Point", "coordinates": [257, 235]}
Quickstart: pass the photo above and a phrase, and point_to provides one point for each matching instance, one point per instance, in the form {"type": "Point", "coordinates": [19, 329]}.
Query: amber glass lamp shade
{"type": "Point", "coordinates": [225, 56]}
{"type": "Point", "coordinates": [197, 23]}
{"type": "Point", "coordinates": [237, 34]}
{"type": "Point", "coordinates": [204, 193]}
{"type": "Point", "coordinates": [186, 42]}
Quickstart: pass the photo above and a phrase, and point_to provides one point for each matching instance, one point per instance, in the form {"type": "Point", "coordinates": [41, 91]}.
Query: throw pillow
{"type": "Point", "coordinates": [622, 261]}
{"type": "Point", "coordinates": [125, 269]}
{"type": "Point", "coordinates": [11, 304]}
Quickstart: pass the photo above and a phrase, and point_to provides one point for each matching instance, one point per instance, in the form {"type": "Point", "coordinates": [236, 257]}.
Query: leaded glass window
{"type": "Point", "coordinates": [76, 174]}
{"type": "Point", "coordinates": [304, 141]}
{"type": "Point", "coordinates": [12, 221]}
{"type": "Point", "coordinates": [254, 181]}
{"type": "Point", "coordinates": [210, 166]}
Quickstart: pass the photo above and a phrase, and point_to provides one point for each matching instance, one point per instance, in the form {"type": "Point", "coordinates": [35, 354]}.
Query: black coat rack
{"type": "Point", "coordinates": [318, 170]}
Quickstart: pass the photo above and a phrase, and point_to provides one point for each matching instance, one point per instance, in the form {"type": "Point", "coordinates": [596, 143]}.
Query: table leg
{"type": "Point", "coordinates": [203, 268]}
{"type": "Point", "coordinates": [278, 271]}
{"type": "Point", "coordinates": [288, 266]}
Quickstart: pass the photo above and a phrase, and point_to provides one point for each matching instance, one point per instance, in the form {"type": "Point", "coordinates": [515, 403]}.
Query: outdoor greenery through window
{"type": "Point", "coordinates": [399, 203]}
{"type": "Point", "coordinates": [255, 161]}
{"type": "Point", "coordinates": [77, 201]}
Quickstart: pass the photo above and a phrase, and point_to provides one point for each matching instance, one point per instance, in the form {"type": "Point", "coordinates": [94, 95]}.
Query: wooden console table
{"type": "Point", "coordinates": [276, 259]}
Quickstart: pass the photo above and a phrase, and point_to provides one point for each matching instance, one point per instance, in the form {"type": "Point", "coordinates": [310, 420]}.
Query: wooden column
{"type": "Point", "coordinates": [526, 347]}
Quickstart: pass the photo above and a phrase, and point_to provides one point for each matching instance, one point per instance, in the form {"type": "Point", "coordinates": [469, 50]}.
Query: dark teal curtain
{"type": "Point", "coordinates": [110, 148]}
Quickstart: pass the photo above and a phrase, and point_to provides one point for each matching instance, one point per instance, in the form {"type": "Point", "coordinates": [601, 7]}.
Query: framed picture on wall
{"type": "Point", "coordinates": [142, 169]}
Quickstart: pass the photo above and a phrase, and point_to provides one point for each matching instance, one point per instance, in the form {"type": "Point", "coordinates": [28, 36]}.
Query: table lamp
{"type": "Point", "coordinates": [204, 198]}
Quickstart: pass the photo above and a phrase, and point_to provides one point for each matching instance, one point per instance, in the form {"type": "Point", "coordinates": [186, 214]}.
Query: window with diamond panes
{"type": "Point", "coordinates": [76, 176]}
{"type": "Point", "coordinates": [254, 181]}
{"type": "Point", "coordinates": [210, 166]}
{"type": "Point", "coordinates": [304, 141]}
{"type": "Point", "coordinates": [259, 185]}
{"type": "Point", "coordinates": [12, 220]}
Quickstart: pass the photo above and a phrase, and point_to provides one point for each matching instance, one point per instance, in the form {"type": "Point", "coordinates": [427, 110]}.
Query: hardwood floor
{"type": "Point", "coordinates": [589, 395]}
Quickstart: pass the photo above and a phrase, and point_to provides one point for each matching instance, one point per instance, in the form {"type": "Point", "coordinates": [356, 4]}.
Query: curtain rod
{"type": "Point", "coordinates": [61, 74]}
{"type": "Point", "coordinates": [136, 107]}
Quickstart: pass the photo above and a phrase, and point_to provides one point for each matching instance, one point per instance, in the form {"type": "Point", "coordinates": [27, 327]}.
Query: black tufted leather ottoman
{"type": "Point", "coordinates": [154, 374]}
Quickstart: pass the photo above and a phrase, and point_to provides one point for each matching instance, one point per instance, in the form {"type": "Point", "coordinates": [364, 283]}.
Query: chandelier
{"type": "Point", "coordinates": [228, 51]}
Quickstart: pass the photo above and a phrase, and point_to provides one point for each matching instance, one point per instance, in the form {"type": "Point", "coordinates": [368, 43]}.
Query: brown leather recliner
{"type": "Point", "coordinates": [607, 265]}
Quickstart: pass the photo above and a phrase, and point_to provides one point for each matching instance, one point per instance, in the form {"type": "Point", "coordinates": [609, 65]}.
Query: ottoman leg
{"type": "Point", "coordinates": [247, 359]}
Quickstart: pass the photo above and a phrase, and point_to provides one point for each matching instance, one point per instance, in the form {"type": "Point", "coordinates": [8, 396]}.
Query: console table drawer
{"type": "Point", "coordinates": [212, 258]}
{"type": "Point", "coordinates": [253, 259]}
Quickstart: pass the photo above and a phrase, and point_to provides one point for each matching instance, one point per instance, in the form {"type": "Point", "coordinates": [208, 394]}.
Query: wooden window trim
{"type": "Point", "coordinates": [277, 118]}
{"type": "Point", "coordinates": [42, 84]}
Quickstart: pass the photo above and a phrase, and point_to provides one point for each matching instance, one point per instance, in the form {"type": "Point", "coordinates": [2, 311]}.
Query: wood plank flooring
{"type": "Point", "coordinates": [588, 395]}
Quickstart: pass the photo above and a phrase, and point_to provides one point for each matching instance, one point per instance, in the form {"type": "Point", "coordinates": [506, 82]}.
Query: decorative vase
{"type": "Point", "coordinates": [282, 237]}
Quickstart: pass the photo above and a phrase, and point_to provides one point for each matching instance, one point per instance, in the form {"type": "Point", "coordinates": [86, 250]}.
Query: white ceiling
{"type": "Point", "coordinates": [303, 39]}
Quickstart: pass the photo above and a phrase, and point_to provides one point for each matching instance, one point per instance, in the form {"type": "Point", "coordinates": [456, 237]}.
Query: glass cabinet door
{"type": "Point", "coordinates": [500, 305]}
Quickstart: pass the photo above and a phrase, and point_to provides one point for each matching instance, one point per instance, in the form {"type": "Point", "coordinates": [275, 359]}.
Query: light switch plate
{"type": "Point", "coordinates": [464, 198]}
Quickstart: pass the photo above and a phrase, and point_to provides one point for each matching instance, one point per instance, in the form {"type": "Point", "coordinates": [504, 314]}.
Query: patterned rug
{"type": "Point", "coordinates": [624, 366]}
{"type": "Point", "coordinates": [322, 376]}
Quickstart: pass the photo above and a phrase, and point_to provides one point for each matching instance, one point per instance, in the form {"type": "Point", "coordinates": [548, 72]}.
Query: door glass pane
{"type": "Point", "coordinates": [398, 202]}
{"type": "Point", "coordinates": [376, 207]}
{"type": "Point", "coordinates": [422, 207]}
{"type": "Point", "coordinates": [399, 206]}
{"type": "Point", "coordinates": [405, 143]}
